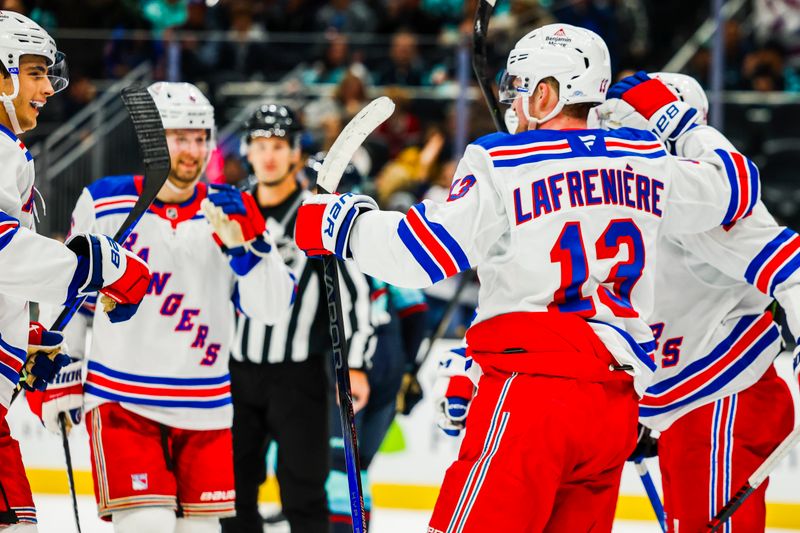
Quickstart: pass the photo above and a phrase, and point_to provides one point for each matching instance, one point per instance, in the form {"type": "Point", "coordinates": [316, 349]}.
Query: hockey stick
{"type": "Point", "coordinates": [480, 63]}
{"type": "Point", "coordinates": [348, 141]}
{"type": "Point", "coordinates": [153, 149]}
{"type": "Point", "coordinates": [62, 422]}
{"type": "Point", "coordinates": [754, 481]}
{"type": "Point", "coordinates": [652, 493]}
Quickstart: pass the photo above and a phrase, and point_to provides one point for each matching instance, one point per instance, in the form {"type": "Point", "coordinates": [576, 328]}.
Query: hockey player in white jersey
{"type": "Point", "coordinates": [32, 267]}
{"type": "Point", "coordinates": [561, 223]}
{"type": "Point", "coordinates": [157, 390]}
{"type": "Point", "coordinates": [716, 398]}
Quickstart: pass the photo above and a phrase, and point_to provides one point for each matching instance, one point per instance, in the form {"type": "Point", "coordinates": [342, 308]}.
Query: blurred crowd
{"type": "Point", "coordinates": [399, 45]}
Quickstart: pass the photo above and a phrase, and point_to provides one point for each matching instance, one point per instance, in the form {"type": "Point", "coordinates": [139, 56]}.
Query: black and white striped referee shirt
{"type": "Point", "coordinates": [303, 332]}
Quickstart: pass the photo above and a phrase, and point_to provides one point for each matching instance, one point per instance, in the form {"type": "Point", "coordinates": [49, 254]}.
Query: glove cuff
{"type": "Point", "coordinates": [648, 97]}
{"type": "Point", "coordinates": [460, 387]}
{"type": "Point", "coordinates": [672, 120]}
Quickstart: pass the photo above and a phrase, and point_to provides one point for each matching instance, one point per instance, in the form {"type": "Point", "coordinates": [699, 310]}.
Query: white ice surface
{"type": "Point", "coordinates": [55, 516]}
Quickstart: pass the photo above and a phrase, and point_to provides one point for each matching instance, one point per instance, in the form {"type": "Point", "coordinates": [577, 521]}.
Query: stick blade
{"type": "Point", "coordinates": [348, 141]}
{"type": "Point", "coordinates": [152, 141]}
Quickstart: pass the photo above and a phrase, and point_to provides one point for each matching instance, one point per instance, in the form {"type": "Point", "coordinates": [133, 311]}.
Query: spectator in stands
{"type": "Point", "coordinates": [346, 16]}
{"type": "Point", "coordinates": [243, 54]}
{"type": "Point", "coordinates": [405, 67]}
{"type": "Point", "coordinates": [766, 69]}
{"type": "Point", "coordinates": [351, 95]}
{"type": "Point", "coordinates": [333, 64]}
{"type": "Point", "coordinates": [291, 15]}
{"type": "Point", "coordinates": [403, 128]}
{"type": "Point", "coordinates": [399, 14]}
{"type": "Point", "coordinates": [164, 14]}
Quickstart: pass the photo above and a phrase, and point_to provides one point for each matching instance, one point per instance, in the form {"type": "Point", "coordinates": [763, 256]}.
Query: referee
{"type": "Point", "coordinates": [279, 379]}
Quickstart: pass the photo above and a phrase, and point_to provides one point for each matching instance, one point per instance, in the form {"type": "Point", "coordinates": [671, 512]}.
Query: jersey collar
{"type": "Point", "coordinates": [176, 213]}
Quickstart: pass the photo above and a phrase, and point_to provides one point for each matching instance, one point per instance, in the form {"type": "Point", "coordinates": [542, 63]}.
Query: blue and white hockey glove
{"type": "Point", "coordinates": [239, 228]}
{"type": "Point", "coordinates": [119, 274]}
{"type": "Point", "coordinates": [45, 357]}
{"type": "Point", "coordinates": [324, 223]}
{"type": "Point", "coordinates": [64, 395]}
{"type": "Point", "coordinates": [667, 117]}
{"type": "Point", "coordinates": [456, 382]}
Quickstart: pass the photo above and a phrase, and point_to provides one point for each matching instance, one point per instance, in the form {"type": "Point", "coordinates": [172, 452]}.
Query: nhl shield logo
{"type": "Point", "coordinates": [172, 213]}
{"type": "Point", "coordinates": [139, 481]}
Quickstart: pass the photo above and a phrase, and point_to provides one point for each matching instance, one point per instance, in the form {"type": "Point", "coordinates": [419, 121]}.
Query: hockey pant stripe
{"type": "Point", "coordinates": [479, 470]}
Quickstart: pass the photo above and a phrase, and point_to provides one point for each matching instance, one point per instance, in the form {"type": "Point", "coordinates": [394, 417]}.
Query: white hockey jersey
{"type": "Point", "coordinates": [169, 363]}
{"type": "Point", "coordinates": [32, 267]}
{"type": "Point", "coordinates": [562, 221]}
{"type": "Point", "coordinates": [714, 334]}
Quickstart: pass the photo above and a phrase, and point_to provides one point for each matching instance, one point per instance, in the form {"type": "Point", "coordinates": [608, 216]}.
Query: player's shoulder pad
{"type": "Point", "coordinates": [113, 186]}
{"type": "Point", "coordinates": [495, 140]}
{"type": "Point", "coordinates": [11, 142]}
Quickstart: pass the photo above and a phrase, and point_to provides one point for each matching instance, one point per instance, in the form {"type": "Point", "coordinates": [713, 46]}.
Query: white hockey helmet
{"type": "Point", "coordinates": [183, 107]}
{"type": "Point", "coordinates": [688, 90]}
{"type": "Point", "coordinates": [21, 36]}
{"type": "Point", "coordinates": [576, 57]}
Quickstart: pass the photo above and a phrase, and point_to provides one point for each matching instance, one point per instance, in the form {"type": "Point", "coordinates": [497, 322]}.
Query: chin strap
{"type": "Point", "coordinates": [537, 121]}
{"type": "Point", "coordinates": [12, 115]}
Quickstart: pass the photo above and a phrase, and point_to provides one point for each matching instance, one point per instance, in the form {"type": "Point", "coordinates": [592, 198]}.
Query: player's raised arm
{"type": "Point", "coordinates": [709, 172]}
{"type": "Point", "coordinates": [432, 241]}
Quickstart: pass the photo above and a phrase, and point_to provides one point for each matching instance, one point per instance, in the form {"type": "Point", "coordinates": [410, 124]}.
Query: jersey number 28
{"type": "Point", "coordinates": [569, 251]}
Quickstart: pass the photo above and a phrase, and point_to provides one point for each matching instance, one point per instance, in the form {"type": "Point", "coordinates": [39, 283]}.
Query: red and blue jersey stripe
{"type": "Point", "coordinates": [752, 336]}
{"type": "Point", "coordinates": [775, 263]}
{"type": "Point", "coordinates": [431, 244]}
{"type": "Point", "coordinates": [624, 147]}
{"type": "Point", "coordinates": [745, 186]}
{"type": "Point", "coordinates": [8, 228]}
{"type": "Point", "coordinates": [113, 195]}
{"type": "Point", "coordinates": [159, 391]}
{"type": "Point", "coordinates": [27, 207]}
{"type": "Point", "coordinates": [11, 361]}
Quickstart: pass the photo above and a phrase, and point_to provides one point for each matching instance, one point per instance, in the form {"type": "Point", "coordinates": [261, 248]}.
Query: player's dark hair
{"type": "Point", "coordinates": [3, 71]}
{"type": "Point", "coordinates": [579, 111]}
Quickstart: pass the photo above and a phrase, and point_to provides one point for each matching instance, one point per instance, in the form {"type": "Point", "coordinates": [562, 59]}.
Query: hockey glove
{"type": "Point", "coordinates": [646, 445]}
{"type": "Point", "coordinates": [667, 117]}
{"type": "Point", "coordinates": [64, 395]}
{"type": "Point", "coordinates": [45, 357]}
{"type": "Point", "coordinates": [237, 222]}
{"type": "Point", "coordinates": [105, 266]}
{"type": "Point", "coordinates": [456, 381]}
{"type": "Point", "coordinates": [324, 223]}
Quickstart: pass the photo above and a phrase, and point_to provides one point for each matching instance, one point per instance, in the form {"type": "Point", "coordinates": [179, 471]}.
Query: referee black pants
{"type": "Point", "coordinates": [288, 403]}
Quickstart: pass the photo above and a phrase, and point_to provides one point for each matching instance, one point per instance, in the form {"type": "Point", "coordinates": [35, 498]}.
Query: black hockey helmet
{"type": "Point", "coordinates": [352, 180]}
{"type": "Point", "coordinates": [273, 120]}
